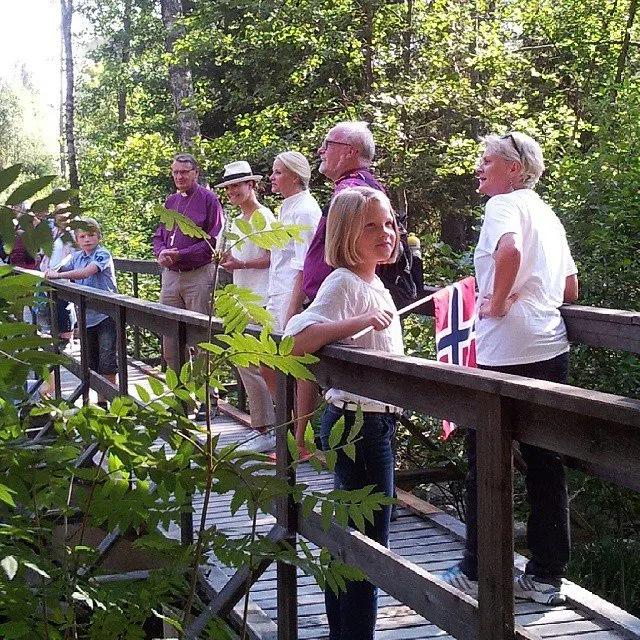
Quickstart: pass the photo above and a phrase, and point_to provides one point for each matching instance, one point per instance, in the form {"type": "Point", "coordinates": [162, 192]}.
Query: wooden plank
{"type": "Point", "coordinates": [575, 628]}
{"type": "Point", "coordinates": [407, 582]}
{"type": "Point", "coordinates": [606, 612]}
{"type": "Point", "coordinates": [259, 626]}
{"type": "Point", "coordinates": [235, 413]}
{"type": "Point", "coordinates": [136, 266]}
{"type": "Point", "coordinates": [591, 635]}
{"type": "Point", "coordinates": [415, 504]}
{"type": "Point", "coordinates": [233, 591]}
{"type": "Point", "coordinates": [495, 518]}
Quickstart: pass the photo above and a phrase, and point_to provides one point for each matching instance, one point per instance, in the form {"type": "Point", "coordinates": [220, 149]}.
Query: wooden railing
{"type": "Point", "coordinates": [600, 430]}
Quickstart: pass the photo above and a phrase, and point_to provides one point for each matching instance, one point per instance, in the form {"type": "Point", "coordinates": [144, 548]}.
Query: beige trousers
{"type": "Point", "coordinates": [189, 290]}
{"type": "Point", "coordinates": [260, 403]}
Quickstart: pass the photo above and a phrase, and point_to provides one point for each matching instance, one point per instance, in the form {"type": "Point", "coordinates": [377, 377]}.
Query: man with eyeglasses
{"type": "Point", "coordinates": [187, 270]}
{"type": "Point", "coordinates": [345, 155]}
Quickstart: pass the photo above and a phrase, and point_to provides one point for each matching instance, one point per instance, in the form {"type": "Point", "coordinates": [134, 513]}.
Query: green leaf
{"type": "Point", "coordinates": [356, 427]}
{"type": "Point", "coordinates": [8, 176]}
{"type": "Point", "coordinates": [335, 436]}
{"type": "Point", "coordinates": [171, 379]}
{"type": "Point", "coordinates": [326, 512]}
{"type": "Point", "coordinates": [309, 438]}
{"type": "Point", "coordinates": [243, 226]}
{"type": "Point", "coordinates": [286, 345]}
{"type": "Point", "coordinates": [292, 446]}
{"type": "Point", "coordinates": [7, 227]}
{"type": "Point", "coordinates": [16, 629]}
{"type": "Point", "coordinates": [188, 227]}
{"type": "Point", "coordinates": [5, 495]}
{"type": "Point", "coordinates": [350, 451]}
{"type": "Point", "coordinates": [308, 505]}
{"type": "Point", "coordinates": [156, 386]}
{"type": "Point", "coordinates": [10, 566]}
{"type": "Point", "coordinates": [82, 596]}
{"type": "Point", "coordinates": [37, 569]}
{"type": "Point", "coordinates": [38, 237]}
{"type": "Point", "coordinates": [342, 514]}
{"type": "Point", "coordinates": [29, 189]}
{"type": "Point", "coordinates": [56, 197]}
{"type": "Point", "coordinates": [143, 394]}
{"type": "Point", "coordinates": [331, 457]}
{"type": "Point", "coordinates": [356, 515]}
{"type": "Point", "coordinates": [258, 221]}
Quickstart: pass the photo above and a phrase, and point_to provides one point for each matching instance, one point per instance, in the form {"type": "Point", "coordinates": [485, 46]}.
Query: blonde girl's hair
{"type": "Point", "coordinates": [92, 224]}
{"type": "Point", "coordinates": [345, 223]}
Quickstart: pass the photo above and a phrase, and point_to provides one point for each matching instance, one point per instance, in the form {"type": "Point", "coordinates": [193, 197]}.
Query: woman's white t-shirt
{"type": "Point", "coordinates": [301, 209]}
{"type": "Point", "coordinates": [345, 295]}
{"type": "Point", "coordinates": [257, 280]}
{"type": "Point", "coordinates": [533, 330]}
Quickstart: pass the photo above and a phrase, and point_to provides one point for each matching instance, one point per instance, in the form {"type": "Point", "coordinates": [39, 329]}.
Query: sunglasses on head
{"type": "Point", "coordinates": [511, 137]}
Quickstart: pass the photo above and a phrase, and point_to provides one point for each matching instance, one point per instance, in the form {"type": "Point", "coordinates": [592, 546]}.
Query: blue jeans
{"type": "Point", "coordinates": [352, 614]}
{"type": "Point", "coordinates": [548, 536]}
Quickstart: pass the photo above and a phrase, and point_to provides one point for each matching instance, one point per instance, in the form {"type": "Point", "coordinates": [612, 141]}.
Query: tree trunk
{"type": "Point", "coordinates": [67, 17]}
{"type": "Point", "coordinates": [179, 75]}
{"type": "Point", "coordinates": [407, 38]}
{"type": "Point", "coordinates": [622, 58]}
{"type": "Point", "coordinates": [125, 56]}
{"type": "Point", "coordinates": [61, 131]}
{"type": "Point", "coordinates": [367, 36]}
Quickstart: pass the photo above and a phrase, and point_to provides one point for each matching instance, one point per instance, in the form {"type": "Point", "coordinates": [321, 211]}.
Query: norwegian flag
{"type": "Point", "coordinates": [455, 332]}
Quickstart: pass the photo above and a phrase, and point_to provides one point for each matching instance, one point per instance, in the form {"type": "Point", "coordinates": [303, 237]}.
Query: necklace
{"type": "Point", "coordinates": [184, 213]}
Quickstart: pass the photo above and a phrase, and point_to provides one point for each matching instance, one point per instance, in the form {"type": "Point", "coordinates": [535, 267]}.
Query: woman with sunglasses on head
{"type": "Point", "coordinates": [525, 272]}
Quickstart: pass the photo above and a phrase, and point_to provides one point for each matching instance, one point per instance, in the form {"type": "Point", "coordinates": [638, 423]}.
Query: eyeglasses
{"type": "Point", "coordinates": [511, 137]}
{"type": "Point", "coordinates": [326, 143]}
{"type": "Point", "coordinates": [182, 172]}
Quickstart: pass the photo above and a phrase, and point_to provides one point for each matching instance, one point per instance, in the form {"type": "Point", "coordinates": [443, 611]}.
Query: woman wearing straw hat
{"type": "Point", "coordinates": [249, 265]}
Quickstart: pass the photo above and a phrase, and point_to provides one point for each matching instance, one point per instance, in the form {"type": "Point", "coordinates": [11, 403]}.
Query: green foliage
{"type": "Point", "coordinates": [20, 138]}
{"type": "Point", "coordinates": [51, 509]}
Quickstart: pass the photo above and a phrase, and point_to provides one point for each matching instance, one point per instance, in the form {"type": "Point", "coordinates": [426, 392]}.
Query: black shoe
{"type": "Point", "coordinates": [201, 415]}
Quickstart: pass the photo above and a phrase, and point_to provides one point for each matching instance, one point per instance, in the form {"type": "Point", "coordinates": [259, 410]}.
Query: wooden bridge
{"type": "Point", "coordinates": [599, 432]}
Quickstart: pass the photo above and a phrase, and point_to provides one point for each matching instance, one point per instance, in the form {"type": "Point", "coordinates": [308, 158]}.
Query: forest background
{"type": "Point", "coordinates": [431, 77]}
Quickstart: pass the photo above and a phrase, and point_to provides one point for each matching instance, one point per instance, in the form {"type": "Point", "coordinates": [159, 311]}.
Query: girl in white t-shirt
{"type": "Point", "coordinates": [361, 234]}
{"type": "Point", "coordinates": [249, 265]}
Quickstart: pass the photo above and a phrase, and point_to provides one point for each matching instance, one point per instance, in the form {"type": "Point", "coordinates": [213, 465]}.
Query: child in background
{"type": "Point", "coordinates": [361, 234]}
{"type": "Point", "coordinates": [92, 266]}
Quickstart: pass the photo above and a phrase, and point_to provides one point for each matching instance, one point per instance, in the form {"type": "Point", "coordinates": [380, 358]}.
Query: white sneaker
{"type": "Point", "coordinates": [458, 579]}
{"type": "Point", "coordinates": [528, 588]}
{"type": "Point", "coordinates": [259, 443]}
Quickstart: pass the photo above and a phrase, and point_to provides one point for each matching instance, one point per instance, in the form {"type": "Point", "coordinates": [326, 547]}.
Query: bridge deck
{"type": "Point", "coordinates": [433, 542]}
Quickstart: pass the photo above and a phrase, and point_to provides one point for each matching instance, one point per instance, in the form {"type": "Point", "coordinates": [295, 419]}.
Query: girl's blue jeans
{"type": "Point", "coordinates": [352, 614]}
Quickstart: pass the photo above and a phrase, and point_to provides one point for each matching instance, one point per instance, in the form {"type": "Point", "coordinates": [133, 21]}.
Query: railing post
{"type": "Point", "coordinates": [496, 617]}
{"type": "Point", "coordinates": [84, 350]}
{"type": "Point", "coordinates": [55, 334]}
{"type": "Point", "coordinates": [136, 329]}
{"type": "Point", "coordinates": [121, 338]}
{"type": "Point", "coordinates": [241, 393]}
{"type": "Point", "coordinates": [286, 513]}
{"type": "Point", "coordinates": [186, 516]}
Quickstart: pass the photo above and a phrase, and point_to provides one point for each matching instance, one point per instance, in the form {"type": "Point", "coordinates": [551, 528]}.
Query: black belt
{"type": "Point", "coordinates": [189, 269]}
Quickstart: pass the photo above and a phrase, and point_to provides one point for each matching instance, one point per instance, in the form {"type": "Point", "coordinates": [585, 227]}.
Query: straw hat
{"type": "Point", "coordinates": [235, 172]}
